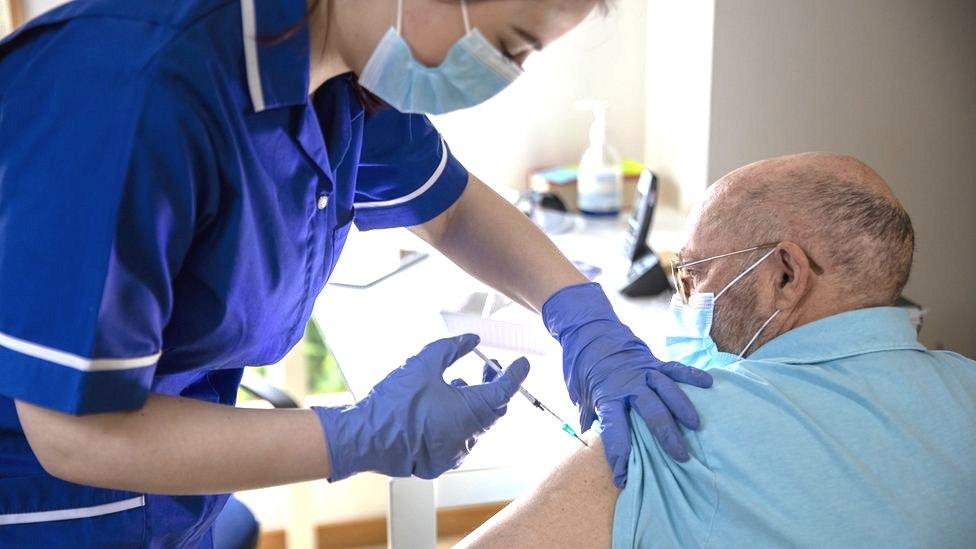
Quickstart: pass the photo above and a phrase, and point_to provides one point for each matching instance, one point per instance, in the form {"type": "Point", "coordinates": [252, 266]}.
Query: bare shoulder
{"type": "Point", "coordinates": [571, 507]}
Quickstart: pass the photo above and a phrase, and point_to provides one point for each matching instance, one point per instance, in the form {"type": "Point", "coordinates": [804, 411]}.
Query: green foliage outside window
{"type": "Point", "coordinates": [323, 369]}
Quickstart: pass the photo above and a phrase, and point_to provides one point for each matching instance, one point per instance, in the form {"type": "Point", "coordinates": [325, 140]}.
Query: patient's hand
{"type": "Point", "coordinates": [571, 507]}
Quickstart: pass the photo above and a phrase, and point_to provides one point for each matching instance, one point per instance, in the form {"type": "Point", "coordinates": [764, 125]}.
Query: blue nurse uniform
{"type": "Point", "coordinates": [172, 200]}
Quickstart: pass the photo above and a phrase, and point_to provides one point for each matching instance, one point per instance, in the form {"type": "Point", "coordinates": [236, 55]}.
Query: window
{"type": "Point", "coordinates": [321, 367]}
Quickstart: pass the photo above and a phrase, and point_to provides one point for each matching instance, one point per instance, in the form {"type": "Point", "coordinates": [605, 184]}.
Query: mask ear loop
{"type": "Point", "coordinates": [744, 273]}
{"type": "Point", "coordinates": [464, 14]}
{"type": "Point", "coordinates": [761, 328]}
{"type": "Point", "coordinates": [399, 16]}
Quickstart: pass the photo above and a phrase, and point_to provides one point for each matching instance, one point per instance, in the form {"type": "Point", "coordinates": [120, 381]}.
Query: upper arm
{"type": "Point", "coordinates": [407, 175]}
{"type": "Point", "coordinates": [96, 214]}
{"type": "Point", "coordinates": [434, 230]}
{"type": "Point", "coordinates": [572, 507]}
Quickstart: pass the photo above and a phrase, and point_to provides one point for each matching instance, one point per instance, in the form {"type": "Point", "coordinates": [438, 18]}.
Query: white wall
{"type": "Point", "coordinates": [33, 8]}
{"type": "Point", "coordinates": [678, 74]}
{"type": "Point", "coordinates": [892, 82]}
{"type": "Point", "coordinates": [533, 122]}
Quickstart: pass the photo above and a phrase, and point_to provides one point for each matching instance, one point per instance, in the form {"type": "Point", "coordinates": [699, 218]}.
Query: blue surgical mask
{"type": "Point", "coordinates": [688, 337]}
{"type": "Point", "coordinates": [473, 71]}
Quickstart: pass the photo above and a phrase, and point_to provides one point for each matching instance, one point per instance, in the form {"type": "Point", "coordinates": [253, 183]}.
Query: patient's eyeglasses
{"type": "Point", "coordinates": [685, 284]}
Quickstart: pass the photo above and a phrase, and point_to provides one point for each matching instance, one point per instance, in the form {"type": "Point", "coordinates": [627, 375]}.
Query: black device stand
{"type": "Point", "coordinates": [645, 277]}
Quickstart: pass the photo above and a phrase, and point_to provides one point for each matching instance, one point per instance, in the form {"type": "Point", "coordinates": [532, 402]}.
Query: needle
{"type": "Point", "coordinates": [535, 402]}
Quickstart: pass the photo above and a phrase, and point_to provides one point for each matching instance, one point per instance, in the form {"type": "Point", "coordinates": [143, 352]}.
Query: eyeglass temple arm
{"type": "Point", "coordinates": [714, 257]}
{"type": "Point", "coordinates": [813, 264]}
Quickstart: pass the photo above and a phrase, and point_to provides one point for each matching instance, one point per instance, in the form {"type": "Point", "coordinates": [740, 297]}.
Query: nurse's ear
{"type": "Point", "coordinates": [793, 273]}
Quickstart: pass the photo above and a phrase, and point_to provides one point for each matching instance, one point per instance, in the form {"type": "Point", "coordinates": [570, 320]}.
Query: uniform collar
{"type": "Point", "coordinates": [842, 335]}
{"type": "Point", "coordinates": [277, 70]}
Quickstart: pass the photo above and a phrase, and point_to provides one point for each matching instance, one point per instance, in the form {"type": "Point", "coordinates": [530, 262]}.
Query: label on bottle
{"type": "Point", "coordinates": [599, 193]}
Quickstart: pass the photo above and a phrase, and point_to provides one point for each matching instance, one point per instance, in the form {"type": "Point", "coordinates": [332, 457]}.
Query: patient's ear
{"type": "Point", "coordinates": [793, 275]}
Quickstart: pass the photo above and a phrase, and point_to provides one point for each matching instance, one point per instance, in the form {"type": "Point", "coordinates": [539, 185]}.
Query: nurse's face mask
{"type": "Point", "coordinates": [473, 71]}
{"type": "Point", "coordinates": [688, 334]}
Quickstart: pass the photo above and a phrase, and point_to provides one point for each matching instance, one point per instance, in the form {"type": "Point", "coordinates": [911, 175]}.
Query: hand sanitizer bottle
{"type": "Point", "coordinates": [599, 180]}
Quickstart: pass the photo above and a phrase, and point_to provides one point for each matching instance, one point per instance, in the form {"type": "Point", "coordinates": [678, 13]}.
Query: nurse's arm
{"type": "Point", "coordinates": [572, 507]}
{"type": "Point", "coordinates": [493, 241]}
{"type": "Point", "coordinates": [178, 446]}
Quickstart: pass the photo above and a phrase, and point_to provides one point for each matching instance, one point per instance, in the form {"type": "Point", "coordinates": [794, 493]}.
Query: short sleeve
{"type": "Point", "coordinates": [96, 214]}
{"type": "Point", "coordinates": [665, 503]}
{"type": "Point", "coordinates": [407, 175]}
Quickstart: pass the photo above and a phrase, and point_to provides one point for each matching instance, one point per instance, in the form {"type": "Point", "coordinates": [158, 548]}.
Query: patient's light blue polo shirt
{"type": "Point", "coordinates": [844, 432]}
{"type": "Point", "coordinates": [171, 203]}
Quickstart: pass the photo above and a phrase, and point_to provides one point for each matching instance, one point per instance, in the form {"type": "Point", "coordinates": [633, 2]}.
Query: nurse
{"type": "Point", "coordinates": [177, 179]}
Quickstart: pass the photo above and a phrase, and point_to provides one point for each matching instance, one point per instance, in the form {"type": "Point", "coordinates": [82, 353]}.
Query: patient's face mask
{"type": "Point", "coordinates": [473, 71]}
{"type": "Point", "coordinates": [688, 331]}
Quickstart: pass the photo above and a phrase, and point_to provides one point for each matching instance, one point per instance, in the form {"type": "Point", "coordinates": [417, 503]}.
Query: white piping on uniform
{"type": "Point", "coordinates": [76, 513]}
{"type": "Point", "coordinates": [423, 188]}
{"type": "Point", "coordinates": [72, 360]}
{"type": "Point", "coordinates": [251, 55]}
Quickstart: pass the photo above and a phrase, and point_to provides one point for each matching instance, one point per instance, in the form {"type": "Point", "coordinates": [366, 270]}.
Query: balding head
{"type": "Point", "coordinates": [839, 220]}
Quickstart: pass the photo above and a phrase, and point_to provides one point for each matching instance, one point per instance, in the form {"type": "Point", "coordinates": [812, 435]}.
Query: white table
{"type": "Point", "coordinates": [373, 330]}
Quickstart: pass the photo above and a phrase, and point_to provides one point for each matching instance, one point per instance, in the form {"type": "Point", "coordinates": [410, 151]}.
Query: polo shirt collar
{"type": "Point", "coordinates": [842, 335]}
{"type": "Point", "coordinates": [277, 68]}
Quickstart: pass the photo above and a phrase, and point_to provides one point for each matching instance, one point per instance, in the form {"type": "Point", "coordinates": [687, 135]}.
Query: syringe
{"type": "Point", "coordinates": [535, 402]}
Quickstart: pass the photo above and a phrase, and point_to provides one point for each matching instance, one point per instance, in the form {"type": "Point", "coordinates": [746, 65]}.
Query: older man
{"type": "Point", "coordinates": [828, 425]}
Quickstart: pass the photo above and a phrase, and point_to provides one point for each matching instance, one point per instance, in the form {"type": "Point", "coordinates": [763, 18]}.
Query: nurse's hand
{"type": "Point", "coordinates": [608, 370]}
{"type": "Point", "coordinates": [412, 422]}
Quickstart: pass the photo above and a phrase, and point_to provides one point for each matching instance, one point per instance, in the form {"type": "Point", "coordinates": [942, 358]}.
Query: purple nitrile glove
{"type": "Point", "coordinates": [608, 370]}
{"type": "Point", "coordinates": [412, 423]}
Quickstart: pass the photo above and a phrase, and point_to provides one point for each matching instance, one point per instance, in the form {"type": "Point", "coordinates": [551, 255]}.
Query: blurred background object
{"type": "Point", "coordinates": [11, 16]}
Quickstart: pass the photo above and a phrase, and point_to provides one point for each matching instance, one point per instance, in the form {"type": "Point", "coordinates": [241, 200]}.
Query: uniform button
{"type": "Point", "coordinates": [323, 201]}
